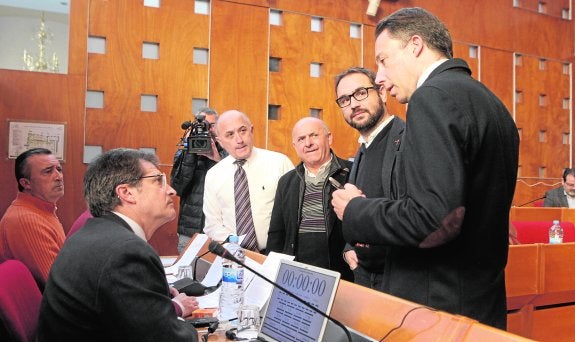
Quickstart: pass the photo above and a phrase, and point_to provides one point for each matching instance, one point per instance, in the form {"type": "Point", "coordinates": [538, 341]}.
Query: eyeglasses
{"type": "Point", "coordinates": [359, 94]}
{"type": "Point", "coordinates": [160, 177]}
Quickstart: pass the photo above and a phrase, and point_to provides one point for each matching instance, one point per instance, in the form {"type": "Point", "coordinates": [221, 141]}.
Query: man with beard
{"type": "Point", "coordinates": [563, 196]}
{"type": "Point", "coordinates": [446, 226]}
{"type": "Point", "coordinates": [363, 108]}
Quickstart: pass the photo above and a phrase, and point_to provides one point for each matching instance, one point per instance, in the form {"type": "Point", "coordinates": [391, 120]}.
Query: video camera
{"type": "Point", "coordinates": [200, 139]}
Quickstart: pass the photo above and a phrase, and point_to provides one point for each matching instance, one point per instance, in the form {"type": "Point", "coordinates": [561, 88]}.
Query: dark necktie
{"type": "Point", "coordinates": [244, 220]}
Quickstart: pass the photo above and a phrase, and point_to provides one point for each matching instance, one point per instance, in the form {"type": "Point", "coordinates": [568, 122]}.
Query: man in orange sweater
{"type": "Point", "coordinates": [30, 231]}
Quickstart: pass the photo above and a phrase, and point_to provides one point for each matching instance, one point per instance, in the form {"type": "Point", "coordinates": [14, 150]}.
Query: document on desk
{"type": "Point", "coordinates": [214, 276]}
{"type": "Point", "coordinates": [187, 257]}
{"type": "Point", "coordinates": [258, 290]}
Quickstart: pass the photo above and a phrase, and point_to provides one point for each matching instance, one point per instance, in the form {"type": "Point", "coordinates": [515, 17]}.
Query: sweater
{"type": "Point", "coordinates": [31, 232]}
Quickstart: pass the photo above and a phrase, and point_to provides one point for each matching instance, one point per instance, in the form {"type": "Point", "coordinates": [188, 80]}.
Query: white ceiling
{"type": "Point", "coordinates": [57, 6]}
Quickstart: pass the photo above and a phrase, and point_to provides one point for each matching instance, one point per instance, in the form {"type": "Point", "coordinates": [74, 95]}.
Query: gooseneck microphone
{"type": "Point", "coordinates": [192, 287]}
{"type": "Point", "coordinates": [537, 199]}
{"type": "Point", "coordinates": [218, 249]}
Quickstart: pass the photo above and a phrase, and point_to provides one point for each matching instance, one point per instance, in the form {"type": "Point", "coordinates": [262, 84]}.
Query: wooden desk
{"type": "Point", "coordinates": [541, 214]}
{"type": "Point", "coordinates": [375, 314]}
{"type": "Point", "coordinates": [541, 291]}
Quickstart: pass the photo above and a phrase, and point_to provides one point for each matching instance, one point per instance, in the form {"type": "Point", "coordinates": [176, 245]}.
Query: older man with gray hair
{"type": "Point", "coordinates": [108, 283]}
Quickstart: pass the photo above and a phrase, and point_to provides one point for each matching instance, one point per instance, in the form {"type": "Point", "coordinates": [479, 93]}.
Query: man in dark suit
{"type": "Point", "coordinates": [563, 196]}
{"type": "Point", "coordinates": [107, 283]}
{"type": "Point", "coordinates": [363, 108]}
{"type": "Point", "coordinates": [446, 222]}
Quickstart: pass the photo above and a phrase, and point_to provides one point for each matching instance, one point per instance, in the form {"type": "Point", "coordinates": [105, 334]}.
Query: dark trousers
{"type": "Point", "coordinates": [367, 279]}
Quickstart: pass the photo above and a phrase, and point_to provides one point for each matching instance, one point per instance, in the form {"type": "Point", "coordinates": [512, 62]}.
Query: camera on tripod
{"type": "Point", "coordinates": [200, 139]}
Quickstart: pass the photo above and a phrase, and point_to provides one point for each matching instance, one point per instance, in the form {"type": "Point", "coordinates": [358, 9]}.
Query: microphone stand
{"type": "Point", "coordinates": [213, 247]}
{"type": "Point", "coordinates": [198, 257]}
{"type": "Point", "coordinates": [537, 199]}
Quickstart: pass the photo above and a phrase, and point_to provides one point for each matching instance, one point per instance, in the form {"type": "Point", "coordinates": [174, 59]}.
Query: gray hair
{"type": "Point", "coordinates": [207, 111]}
{"type": "Point", "coordinates": [107, 171]}
{"type": "Point", "coordinates": [407, 22]}
{"type": "Point", "coordinates": [244, 116]}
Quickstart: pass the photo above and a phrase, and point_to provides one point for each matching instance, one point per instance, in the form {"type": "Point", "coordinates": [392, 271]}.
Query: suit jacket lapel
{"type": "Point", "coordinates": [393, 143]}
{"type": "Point", "coordinates": [354, 166]}
{"type": "Point", "coordinates": [563, 199]}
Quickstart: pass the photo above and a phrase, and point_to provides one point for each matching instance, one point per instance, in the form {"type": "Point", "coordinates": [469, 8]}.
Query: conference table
{"type": "Point", "coordinates": [377, 314]}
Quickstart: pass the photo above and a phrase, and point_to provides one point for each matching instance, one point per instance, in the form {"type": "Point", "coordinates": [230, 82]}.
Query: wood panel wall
{"type": "Point", "coordinates": [45, 97]}
{"type": "Point", "coordinates": [240, 41]}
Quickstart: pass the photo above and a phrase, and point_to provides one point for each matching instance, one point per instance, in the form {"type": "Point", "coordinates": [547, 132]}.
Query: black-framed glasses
{"type": "Point", "coordinates": [359, 94]}
{"type": "Point", "coordinates": [157, 176]}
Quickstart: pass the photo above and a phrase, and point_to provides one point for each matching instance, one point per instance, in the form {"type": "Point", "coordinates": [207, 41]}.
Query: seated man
{"type": "Point", "coordinates": [563, 196]}
{"type": "Point", "coordinates": [303, 222]}
{"type": "Point", "coordinates": [108, 283]}
{"type": "Point", "coordinates": [30, 231]}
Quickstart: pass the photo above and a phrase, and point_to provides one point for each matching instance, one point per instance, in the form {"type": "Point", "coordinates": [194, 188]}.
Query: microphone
{"type": "Point", "coordinates": [186, 125]}
{"type": "Point", "coordinates": [537, 199]}
{"type": "Point", "coordinates": [218, 249]}
{"type": "Point", "coordinates": [192, 287]}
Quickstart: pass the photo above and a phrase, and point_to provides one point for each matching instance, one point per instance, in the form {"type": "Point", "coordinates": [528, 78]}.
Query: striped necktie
{"type": "Point", "coordinates": [244, 220]}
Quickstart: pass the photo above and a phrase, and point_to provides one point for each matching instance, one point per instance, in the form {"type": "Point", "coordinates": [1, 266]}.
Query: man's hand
{"type": "Point", "coordinates": [214, 154]}
{"type": "Point", "coordinates": [340, 198]}
{"type": "Point", "coordinates": [351, 258]}
{"type": "Point", "coordinates": [187, 303]}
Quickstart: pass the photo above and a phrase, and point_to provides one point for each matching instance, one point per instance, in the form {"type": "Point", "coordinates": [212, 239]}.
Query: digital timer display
{"type": "Point", "coordinates": [303, 282]}
{"type": "Point", "coordinates": [287, 319]}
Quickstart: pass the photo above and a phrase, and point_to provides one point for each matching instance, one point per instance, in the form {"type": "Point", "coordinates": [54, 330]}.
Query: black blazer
{"type": "Point", "coordinates": [556, 198]}
{"type": "Point", "coordinates": [108, 284]}
{"type": "Point", "coordinates": [454, 180]}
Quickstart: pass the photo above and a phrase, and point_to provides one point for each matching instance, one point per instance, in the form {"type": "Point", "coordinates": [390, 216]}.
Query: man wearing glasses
{"type": "Point", "coordinates": [446, 225]}
{"type": "Point", "coordinates": [107, 283]}
{"type": "Point", "coordinates": [363, 108]}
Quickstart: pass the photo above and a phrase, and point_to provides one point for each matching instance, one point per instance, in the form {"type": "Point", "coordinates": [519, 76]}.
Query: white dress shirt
{"type": "Point", "coordinates": [263, 169]}
{"type": "Point", "coordinates": [570, 200]}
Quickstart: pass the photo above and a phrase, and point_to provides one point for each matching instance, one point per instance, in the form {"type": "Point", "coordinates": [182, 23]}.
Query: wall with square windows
{"type": "Point", "coordinates": [138, 69]}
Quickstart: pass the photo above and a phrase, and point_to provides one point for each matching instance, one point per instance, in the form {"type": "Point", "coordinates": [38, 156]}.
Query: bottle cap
{"type": "Point", "coordinates": [555, 221]}
{"type": "Point", "coordinates": [235, 238]}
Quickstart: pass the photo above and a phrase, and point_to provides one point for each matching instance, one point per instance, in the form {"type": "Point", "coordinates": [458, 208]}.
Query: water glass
{"type": "Point", "coordinates": [249, 318]}
{"type": "Point", "coordinates": [185, 272]}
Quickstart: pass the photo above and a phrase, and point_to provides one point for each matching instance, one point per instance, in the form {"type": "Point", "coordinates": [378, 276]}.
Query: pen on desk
{"type": "Point", "coordinates": [335, 183]}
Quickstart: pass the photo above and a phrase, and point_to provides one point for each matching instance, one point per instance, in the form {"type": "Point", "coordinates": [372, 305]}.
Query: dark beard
{"type": "Point", "coordinates": [372, 121]}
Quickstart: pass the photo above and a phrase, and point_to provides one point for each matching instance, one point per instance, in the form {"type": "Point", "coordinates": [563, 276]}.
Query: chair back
{"type": "Point", "coordinates": [538, 231]}
{"type": "Point", "coordinates": [20, 300]}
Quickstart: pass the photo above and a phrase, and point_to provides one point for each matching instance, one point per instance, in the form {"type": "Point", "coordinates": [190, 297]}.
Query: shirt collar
{"type": "Point", "coordinates": [251, 157]}
{"type": "Point", "coordinates": [136, 228]}
{"type": "Point", "coordinates": [38, 202]}
{"type": "Point", "coordinates": [369, 139]}
{"type": "Point", "coordinates": [429, 70]}
{"type": "Point", "coordinates": [321, 169]}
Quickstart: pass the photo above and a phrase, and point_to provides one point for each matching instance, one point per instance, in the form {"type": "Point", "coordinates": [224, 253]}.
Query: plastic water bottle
{"type": "Point", "coordinates": [555, 233]}
{"type": "Point", "coordinates": [232, 289]}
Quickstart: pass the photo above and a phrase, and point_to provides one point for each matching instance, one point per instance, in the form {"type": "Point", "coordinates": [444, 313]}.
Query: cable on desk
{"type": "Point", "coordinates": [403, 320]}
{"type": "Point", "coordinates": [211, 329]}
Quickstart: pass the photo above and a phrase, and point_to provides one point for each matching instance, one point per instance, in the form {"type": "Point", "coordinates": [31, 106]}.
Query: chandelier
{"type": "Point", "coordinates": [39, 62]}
